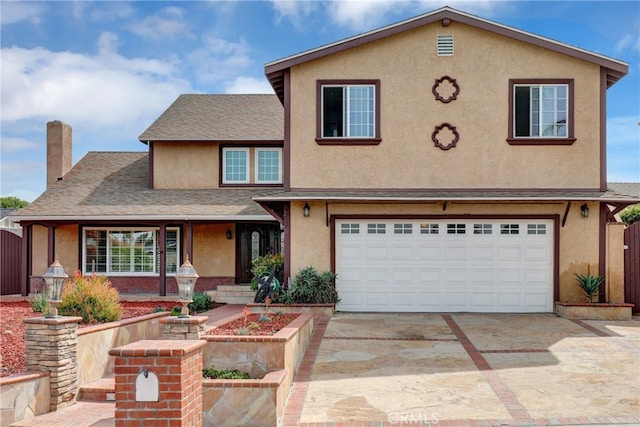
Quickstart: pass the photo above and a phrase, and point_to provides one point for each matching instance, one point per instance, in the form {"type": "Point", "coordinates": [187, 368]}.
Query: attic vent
{"type": "Point", "coordinates": [445, 44]}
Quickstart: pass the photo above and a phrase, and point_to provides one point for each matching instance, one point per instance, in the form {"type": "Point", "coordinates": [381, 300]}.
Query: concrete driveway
{"type": "Point", "coordinates": [468, 369]}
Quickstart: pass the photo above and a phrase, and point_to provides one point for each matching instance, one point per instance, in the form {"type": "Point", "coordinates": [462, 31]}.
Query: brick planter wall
{"type": "Point", "coordinates": [177, 365]}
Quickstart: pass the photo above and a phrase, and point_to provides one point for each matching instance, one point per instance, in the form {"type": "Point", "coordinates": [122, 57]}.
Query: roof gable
{"type": "Point", "coordinates": [275, 70]}
{"type": "Point", "coordinates": [219, 118]}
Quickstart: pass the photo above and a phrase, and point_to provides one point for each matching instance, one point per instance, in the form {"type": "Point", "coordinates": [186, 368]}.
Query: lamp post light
{"type": "Point", "coordinates": [186, 277]}
{"type": "Point", "coordinates": [54, 278]}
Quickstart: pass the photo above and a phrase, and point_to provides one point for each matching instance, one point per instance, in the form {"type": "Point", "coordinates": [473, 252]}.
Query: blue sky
{"type": "Point", "coordinates": [109, 68]}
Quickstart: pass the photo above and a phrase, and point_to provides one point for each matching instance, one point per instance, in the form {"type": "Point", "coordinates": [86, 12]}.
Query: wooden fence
{"type": "Point", "coordinates": [632, 266]}
{"type": "Point", "coordinates": [10, 260]}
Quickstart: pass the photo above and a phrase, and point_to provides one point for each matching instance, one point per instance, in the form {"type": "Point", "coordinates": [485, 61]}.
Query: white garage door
{"type": "Point", "coordinates": [445, 265]}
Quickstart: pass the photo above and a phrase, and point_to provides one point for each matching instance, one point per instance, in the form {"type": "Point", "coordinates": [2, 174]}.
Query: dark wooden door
{"type": "Point", "coordinates": [255, 240]}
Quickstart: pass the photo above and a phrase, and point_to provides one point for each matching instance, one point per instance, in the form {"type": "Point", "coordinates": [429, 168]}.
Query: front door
{"type": "Point", "coordinates": [255, 240]}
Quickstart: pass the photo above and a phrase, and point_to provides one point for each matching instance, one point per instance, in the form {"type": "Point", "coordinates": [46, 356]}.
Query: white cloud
{"type": "Point", "coordinates": [104, 90]}
{"type": "Point", "coordinates": [168, 23]}
{"type": "Point", "coordinates": [295, 11]}
{"type": "Point", "coordinates": [14, 11]}
{"type": "Point", "coordinates": [111, 11]}
{"type": "Point", "coordinates": [249, 85]}
{"type": "Point", "coordinates": [630, 41]}
{"type": "Point", "coordinates": [12, 145]}
{"type": "Point", "coordinates": [219, 60]}
{"type": "Point", "coordinates": [359, 15]}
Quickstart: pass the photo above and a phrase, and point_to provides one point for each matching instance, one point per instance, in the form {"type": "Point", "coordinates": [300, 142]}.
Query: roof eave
{"type": "Point", "coordinates": [119, 218]}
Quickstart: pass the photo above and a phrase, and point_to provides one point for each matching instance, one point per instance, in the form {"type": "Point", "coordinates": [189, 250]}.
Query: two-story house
{"type": "Point", "coordinates": [443, 163]}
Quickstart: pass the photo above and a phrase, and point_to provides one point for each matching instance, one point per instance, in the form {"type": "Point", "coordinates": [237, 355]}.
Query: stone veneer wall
{"type": "Point", "coordinates": [94, 343]}
{"type": "Point", "coordinates": [51, 345]}
{"type": "Point", "coordinates": [24, 396]}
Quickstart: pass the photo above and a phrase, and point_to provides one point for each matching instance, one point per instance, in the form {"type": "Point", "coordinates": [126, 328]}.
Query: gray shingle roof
{"type": "Point", "coordinates": [219, 118]}
{"type": "Point", "coordinates": [628, 188]}
{"type": "Point", "coordinates": [114, 186]}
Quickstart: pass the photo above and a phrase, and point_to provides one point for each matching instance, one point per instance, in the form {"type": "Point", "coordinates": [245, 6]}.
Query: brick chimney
{"type": "Point", "coordinates": [58, 150]}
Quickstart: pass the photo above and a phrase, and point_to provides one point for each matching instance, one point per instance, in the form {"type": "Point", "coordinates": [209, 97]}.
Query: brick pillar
{"type": "Point", "coordinates": [177, 367]}
{"type": "Point", "coordinates": [183, 328]}
{"type": "Point", "coordinates": [52, 345]}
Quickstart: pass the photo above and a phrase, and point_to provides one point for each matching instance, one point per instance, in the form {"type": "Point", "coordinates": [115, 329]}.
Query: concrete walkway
{"type": "Point", "coordinates": [468, 370]}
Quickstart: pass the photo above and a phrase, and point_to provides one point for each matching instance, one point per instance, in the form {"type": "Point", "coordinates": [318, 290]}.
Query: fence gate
{"type": "Point", "coordinates": [632, 266]}
{"type": "Point", "coordinates": [10, 261]}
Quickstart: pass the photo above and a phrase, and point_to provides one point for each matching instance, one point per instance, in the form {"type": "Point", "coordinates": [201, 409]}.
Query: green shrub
{"type": "Point", "coordinates": [263, 318]}
{"type": "Point", "coordinates": [225, 374]}
{"type": "Point", "coordinates": [590, 285]}
{"type": "Point", "coordinates": [176, 310]}
{"type": "Point", "coordinates": [201, 302]}
{"type": "Point", "coordinates": [243, 331]}
{"type": "Point", "coordinates": [262, 266]}
{"type": "Point", "coordinates": [631, 214]}
{"type": "Point", "coordinates": [39, 303]}
{"type": "Point", "coordinates": [90, 297]}
{"type": "Point", "coordinates": [311, 287]}
{"type": "Point", "coordinates": [159, 309]}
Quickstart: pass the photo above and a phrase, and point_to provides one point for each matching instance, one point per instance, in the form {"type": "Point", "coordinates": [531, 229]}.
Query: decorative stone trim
{"type": "Point", "coordinates": [436, 141]}
{"type": "Point", "coordinates": [183, 328]}
{"type": "Point", "coordinates": [453, 83]}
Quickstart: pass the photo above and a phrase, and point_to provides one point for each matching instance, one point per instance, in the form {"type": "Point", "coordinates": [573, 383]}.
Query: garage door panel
{"type": "Point", "coordinates": [483, 266]}
{"type": "Point", "coordinates": [480, 253]}
{"type": "Point", "coordinates": [509, 252]}
{"type": "Point", "coordinates": [483, 299]}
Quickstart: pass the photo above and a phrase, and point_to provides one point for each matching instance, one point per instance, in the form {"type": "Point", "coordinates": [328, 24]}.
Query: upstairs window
{"type": "Point", "coordinates": [251, 165]}
{"type": "Point", "coordinates": [348, 112]}
{"type": "Point", "coordinates": [542, 112]}
{"type": "Point", "coordinates": [235, 166]}
{"type": "Point", "coordinates": [268, 165]}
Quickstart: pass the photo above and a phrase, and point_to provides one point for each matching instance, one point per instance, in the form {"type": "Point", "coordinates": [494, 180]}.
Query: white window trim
{"type": "Point", "coordinates": [346, 124]}
{"type": "Point", "coordinates": [133, 229]}
{"type": "Point", "coordinates": [540, 87]}
{"type": "Point", "coordinates": [224, 165]}
{"type": "Point", "coordinates": [257, 180]}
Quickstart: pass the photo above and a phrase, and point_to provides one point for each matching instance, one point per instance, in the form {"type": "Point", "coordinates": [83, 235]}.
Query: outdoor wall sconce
{"type": "Point", "coordinates": [306, 210]}
{"type": "Point", "coordinates": [186, 277]}
{"type": "Point", "coordinates": [584, 210]}
{"type": "Point", "coordinates": [54, 278]}
{"type": "Point", "coordinates": [229, 235]}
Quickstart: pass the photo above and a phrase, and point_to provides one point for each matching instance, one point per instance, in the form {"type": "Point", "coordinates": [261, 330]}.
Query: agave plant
{"type": "Point", "coordinates": [590, 285]}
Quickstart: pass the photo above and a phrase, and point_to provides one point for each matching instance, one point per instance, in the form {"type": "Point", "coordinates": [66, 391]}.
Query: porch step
{"type": "Point", "coordinates": [102, 390]}
{"type": "Point", "coordinates": [235, 294]}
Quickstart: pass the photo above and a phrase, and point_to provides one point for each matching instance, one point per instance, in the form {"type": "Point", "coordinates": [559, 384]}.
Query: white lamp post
{"type": "Point", "coordinates": [186, 277]}
{"type": "Point", "coordinates": [54, 278]}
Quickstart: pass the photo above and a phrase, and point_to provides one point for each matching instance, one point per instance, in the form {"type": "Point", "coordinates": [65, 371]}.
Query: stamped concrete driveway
{"type": "Point", "coordinates": [467, 369]}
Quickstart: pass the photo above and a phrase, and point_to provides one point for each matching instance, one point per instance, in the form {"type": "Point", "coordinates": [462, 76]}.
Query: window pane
{"type": "Point", "coordinates": [235, 166]}
{"type": "Point", "coordinates": [332, 111]}
{"type": "Point", "coordinates": [96, 251]}
{"type": "Point", "coordinates": [268, 162]}
{"type": "Point", "coordinates": [361, 111]}
{"type": "Point", "coordinates": [522, 105]}
{"type": "Point", "coordinates": [171, 251]}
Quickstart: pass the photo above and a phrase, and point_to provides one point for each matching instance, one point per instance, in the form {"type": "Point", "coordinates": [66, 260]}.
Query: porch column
{"type": "Point", "coordinates": [163, 259]}
{"type": "Point", "coordinates": [51, 244]}
{"type": "Point", "coordinates": [190, 242]}
{"type": "Point", "coordinates": [25, 261]}
{"type": "Point", "coordinates": [602, 251]}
